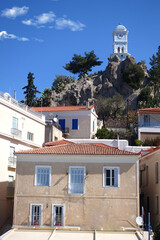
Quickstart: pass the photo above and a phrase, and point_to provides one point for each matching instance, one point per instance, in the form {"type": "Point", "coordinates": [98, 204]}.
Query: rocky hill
{"type": "Point", "coordinates": [104, 83]}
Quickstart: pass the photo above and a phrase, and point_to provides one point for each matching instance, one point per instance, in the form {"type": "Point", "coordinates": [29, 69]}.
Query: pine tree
{"type": "Point", "coordinates": [82, 65]}
{"type": "Point", "coordinates": [31, 91]}
{"type": "Point", "coordinates": [154, 72]}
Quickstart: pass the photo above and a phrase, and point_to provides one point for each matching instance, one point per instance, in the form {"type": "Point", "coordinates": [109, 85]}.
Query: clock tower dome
{"type": "Point", "coordinates": [120, 42]}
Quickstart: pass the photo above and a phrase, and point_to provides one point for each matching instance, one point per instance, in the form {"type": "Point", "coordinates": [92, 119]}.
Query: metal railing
{"type": "Point", "coordinates": [12, 161]}
{"type": "Point", "coordinates": [65, 131]}
{"type": "Point", "coordinates": [16, 132]}
{"type": "Point", "coordinates": [8, 98]}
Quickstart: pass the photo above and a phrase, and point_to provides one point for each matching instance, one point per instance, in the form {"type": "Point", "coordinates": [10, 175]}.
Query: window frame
{"type": "Point", "coordinates": [35, 178]}
{"type": "Point", "coordinates": [104, 176]}
{"type": "Point", "coordinates": [30, 219]}
{"type": "Point", "coordinates": [69, 179]}
{"type": "Point", "coordinates": [53, 214]}
{"type": "Point", "coordinates": [73, 124]}
{"type": "Point", "coordinates": [30, 134]}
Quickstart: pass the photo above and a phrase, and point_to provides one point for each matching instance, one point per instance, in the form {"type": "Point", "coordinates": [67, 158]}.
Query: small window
{"type": "Point", "coordinates": [156, 172]}
{"type": "Point", "coordinates": [157, 205]}
{"type": "Point", "coordinates": [30, 136]}
{"type": "Point", "coordinates": [118, 49]}
{"type": "Point", "coordinates": [76, 179]}
{"type": "Point", "coordinates": [42, 175]}
{"type": "Point", "coordinates": [111, 176]}
{"type": "Point", "coordinates": [74, 124]}
{"type": "Point", "coordinates": [93, 125]}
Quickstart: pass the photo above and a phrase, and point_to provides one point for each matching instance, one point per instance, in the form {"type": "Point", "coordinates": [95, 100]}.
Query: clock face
{"type": "Point", "coordinates": [120, 35]}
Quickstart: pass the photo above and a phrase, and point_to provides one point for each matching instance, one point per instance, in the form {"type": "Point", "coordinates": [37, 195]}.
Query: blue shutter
{"type": "Point", "coordinates": [62, 124]}
{"type": "Point", "coordinates": [74, 124]}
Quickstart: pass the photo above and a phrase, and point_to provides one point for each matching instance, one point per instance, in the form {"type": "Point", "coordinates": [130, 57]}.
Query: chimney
{"type": "Point", "coordinates": [15, 94]}
{"type": "Point", "coordinates": [87, 104]}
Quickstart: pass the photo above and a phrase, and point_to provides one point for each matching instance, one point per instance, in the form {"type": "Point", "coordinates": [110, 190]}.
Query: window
{"type": "Point", "coordinates": [111, 176]}
{"type": "Point", "coordinates": [93, 125]}
{"type": "Point", "coordinates": [156, 172]}
{"type": "Point", "coordinates": [58, 215]}
{"type": "Point", "coordinates": [76, 179]}
{"type": "Point", "coordinates": [15, 126]}
{"type": "Point", "coordinates": [11, 159]}
{"type": "Point", "coordinates": [30, 136]}
{"type": "Point", "coordinates": [118, 49]}
{"type": "Point", "coordinates": [146, 120]}
{"type": "Point", "coordinates": [42, 175]}
{"type": "Point", "coordinates": [74, 124]}
{"type": "Point", "coordinates": [157, 205]}
{"type": "Point", "coordinates": [36, 214]}
{"type": "Point", "coordinates": [62, 123]}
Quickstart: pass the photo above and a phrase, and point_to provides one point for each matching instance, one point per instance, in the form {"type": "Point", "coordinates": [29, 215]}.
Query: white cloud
{"type": "Point", "coordinates": [38, 21]}
{"type": "Point", "coordinates": [38, 40]}
{"type": "Point", "coordinates": [14, 12]}
{"type": "Point", "coordinates": [5, 35]}
{"type": "Point", "coordinates": [62, 23]}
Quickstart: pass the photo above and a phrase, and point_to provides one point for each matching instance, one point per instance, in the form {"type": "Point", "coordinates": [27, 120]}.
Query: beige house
{"type": "Point", "coordinates": [148, 123]}
{"type": "Point", "coordinates": [84, 185]}
{"type": "Point", "coordinates": [75, 121]}
{"type": "Point", "coordinates": [150, 183]}
{"type": "Point", "coordinates": [20, 129]}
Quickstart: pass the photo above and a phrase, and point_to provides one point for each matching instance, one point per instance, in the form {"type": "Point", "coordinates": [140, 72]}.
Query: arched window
{"type": "Point", "coordinates": [122, 49]}
{"type": "Point", "coordinates": [118, 49]}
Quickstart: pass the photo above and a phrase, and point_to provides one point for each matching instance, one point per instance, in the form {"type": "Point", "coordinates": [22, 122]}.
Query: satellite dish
{"type": "Point", "coordinates": [139, 221]}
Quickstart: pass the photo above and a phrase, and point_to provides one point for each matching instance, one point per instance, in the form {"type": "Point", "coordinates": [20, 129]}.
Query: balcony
{"type": "Point", "coordinates": [15, 132]}
{"type": "Point", "coordinates": [12, 162]}
{"type": "Point", "coordinates": [149, 125]}
{"type": "Point", "coordinates": [65, 132]}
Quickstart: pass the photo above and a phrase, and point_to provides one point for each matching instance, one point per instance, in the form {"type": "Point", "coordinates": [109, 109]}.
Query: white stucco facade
{"type": "Point", "coordinates": [20, 129]}
{"type": "Point", "coordinates": [120, 42]}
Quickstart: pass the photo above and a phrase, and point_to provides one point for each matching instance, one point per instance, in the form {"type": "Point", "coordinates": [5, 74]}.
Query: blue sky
{"type": "Point", "coordinates": [41, 36]}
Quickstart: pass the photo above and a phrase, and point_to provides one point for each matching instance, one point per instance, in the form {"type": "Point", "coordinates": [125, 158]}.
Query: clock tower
{"type": "Point", "coordinates": [120, 42]}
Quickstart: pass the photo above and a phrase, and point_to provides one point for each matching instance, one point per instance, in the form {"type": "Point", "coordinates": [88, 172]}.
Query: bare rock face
{"type": "Point", "coordinates": [104, 83]}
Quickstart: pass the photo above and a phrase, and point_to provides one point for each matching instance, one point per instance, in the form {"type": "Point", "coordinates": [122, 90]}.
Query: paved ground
{"type": "Point", "coordinates": [66, 235]}
{"type": "Point", "coordinates": [116, 236]}
{"type": "Point", "coordinates": [28, 235]}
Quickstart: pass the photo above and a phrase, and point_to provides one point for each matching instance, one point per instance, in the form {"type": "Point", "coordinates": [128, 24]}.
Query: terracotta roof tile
{"type": "Point", "coordinates": [55, 143]}
{"type": "Point", "coordinates": [62, 108]}
{"type": "Point", "coordinates": [149, 110]}
{"type": "Point", "coordinates": [78, 149]}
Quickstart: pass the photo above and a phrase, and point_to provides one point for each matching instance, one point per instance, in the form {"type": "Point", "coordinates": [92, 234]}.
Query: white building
{"type": "Point", "coordinates": [20, 129]}
{"type": "Point", "coordinates": [148, 123]}
{"type": "Point", "coordinates": [120, 42]}
{"type": "Point", "coordinates": [76, 122]}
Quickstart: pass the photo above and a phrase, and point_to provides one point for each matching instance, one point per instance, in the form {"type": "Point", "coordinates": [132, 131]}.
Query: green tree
{"type": "Point", "coordinates": [133, 76]}
{"type": "Point", "coordinates": [60, 82]}
{"type": "Point", "coordinates": [154, 72]}
{"type": "Point", "coordinates": [145, 99]}
{"type": "Point", "coordinates": [156, 235]}
{"type": "Point", "coordinates": [104, 133]}
{"type": "Point", "coordinates": [109, 107]}
{"type": "Point", "coordinates": [45, 99]}
{"type": "Point", "coordinates": [31, 91]}
{"type": "Point", "coordinates": [83, 65]}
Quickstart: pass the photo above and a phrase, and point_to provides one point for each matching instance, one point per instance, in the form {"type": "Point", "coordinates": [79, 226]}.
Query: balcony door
{"type": "Point", "coordinates": [58, 215]}
{"type": "Point", "coordinates": [36, 214]}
